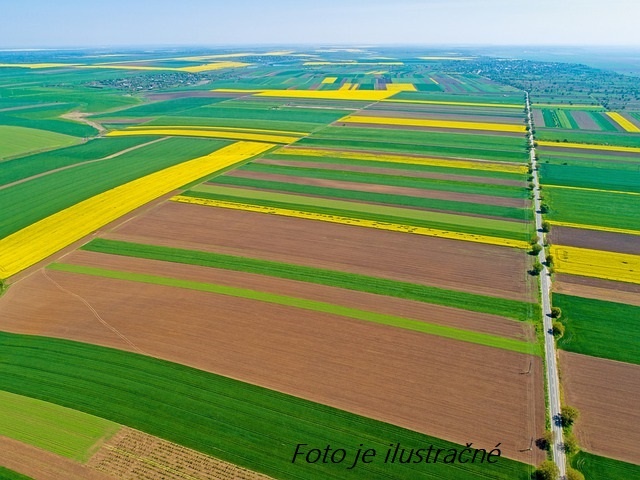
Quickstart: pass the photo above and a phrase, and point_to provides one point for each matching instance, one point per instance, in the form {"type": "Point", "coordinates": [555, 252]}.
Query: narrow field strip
{"type": "Point", "coordinates": [623, 122]}
{"type": "Point", "coordinates": [432, 232]}
{"type": "Point", "coordinates": [565, 187]}
{"type": "Point", "coordinates": [622, 267]}
{"type": "Point", "coordinates": [374, 317]}
{"type": "Point", "coordinates": [594, 227]}
{"type": "Point", "coordinates": [463, 104]}
{"type": "Point", "coordinates": [588, 146]}
{"type": "Point", "coordinates": [229, 135]}
{"type": "Point", "coordinates": [364, 95]}
{"type": "Point", "coordinates": [185, 405]}
{"type": "Point", "coordinates": [36, 242]}
{"type": "Point", "coordinates": [233, 129]}
{"type": "Point", "coordinates": [390, 158]}
{"type": "Point", "coordinates": [351, 281]}
{"type": "Point", "coordinates": [53, 428]}
{"type": "Point", "coordinates": [415, 122]}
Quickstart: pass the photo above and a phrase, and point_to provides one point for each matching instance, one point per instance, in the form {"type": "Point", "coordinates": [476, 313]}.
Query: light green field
{"type": "Point", "coordinates": [53, 428]}
{"type": "Point", "coordinates": [16, 141]}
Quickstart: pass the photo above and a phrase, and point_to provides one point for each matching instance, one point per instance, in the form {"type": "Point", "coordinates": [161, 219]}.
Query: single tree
{"type": "Point", "coordinates": [547, 471]}
{"type": "Point", "coordinates": [570, 444]}
{"type": "Point", "coordinates": [558, 329]}
{"type": "Point", "coordinates": [536, 269]}
{"type": "Point", "coordinates": [568, 415]}
{"type": "Point", "coordinates": [574, 474]}
{"type": "Point", "coordinates": [546, 226]}
{"type": "Point", "coordinates": [556, 312]}
{"type": "Point", "coordinates": [544, 208]}
{"type": "Point", "coordinates": [535, 249]}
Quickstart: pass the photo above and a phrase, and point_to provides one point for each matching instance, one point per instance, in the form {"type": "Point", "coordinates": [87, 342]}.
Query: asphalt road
{"type": "Point", "coordinates": [549, 342]}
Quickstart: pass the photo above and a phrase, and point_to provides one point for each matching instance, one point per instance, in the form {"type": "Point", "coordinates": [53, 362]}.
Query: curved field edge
{"type": "Point", "coordinates": [351, 281]}
{"type": "Point", "coordinates": [595, 467]}
{"type": "Point", "coordinates": [216, 415]}
{"type": "Point", "coordinates": [6, 474]}
{"type": "Point", "coordinates": [53, 428]}
{"type": "Point", "coordinates": [353, 313]}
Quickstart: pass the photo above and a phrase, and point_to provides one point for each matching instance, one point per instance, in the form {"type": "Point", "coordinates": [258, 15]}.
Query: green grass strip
{"type": "Point", "coordinates": [50, 427]}
{"type": "Point", "coordinates": [595, 467]}
{"type": "Point", "coordinates": [241, 423]}
{"type": "Point", "coordinates": [381, 213]}
{"type": "Point", "coordinates": [386, 198]}
{"type": "Point", "coordinates": [351, 281]}
{"type": "Point", "coordinates": [392, 180]}
{"type": "Point", "coordinates": [6, 474]}
{"type": "Point", "coordinates": [374, 317]}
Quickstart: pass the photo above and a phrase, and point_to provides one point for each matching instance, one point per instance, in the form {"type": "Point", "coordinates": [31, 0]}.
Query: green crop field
{"type": "Point", "coordinates": [586, 177]}
{"type": "Point", "coordinates": [15, 141]}
{"type": "Point", "coordinates": [597, 138]}
{"type": "Point", "coordinates": [392, 180]}
{"type": "Point", "coordinates": [352, 313]}
{"type": "Point", "coordinates": [382, 198]}
{"type": "Point", "coordinates": [351, 281]}
{"type": "Point", "coordinates": [156, 109]}
{"type": "Point", "coordinates": [216, 415]}
{"type": "Point", "coordinates": [599, 328]}
{"type": "Point", "coordinates": [595, 467]}
{"type": "Point", "coordinates": [28, 202]}
{"type": "Point", "coordinates": [6, 474]}
{"type": "Point", "coordinates": [604, 209]}
{"type": "Point", "coordinates": [53, 428]}
{"type": "Point", "coordinates": [24, 167]}
{"type": "Point", "coordinates": [382, 213]}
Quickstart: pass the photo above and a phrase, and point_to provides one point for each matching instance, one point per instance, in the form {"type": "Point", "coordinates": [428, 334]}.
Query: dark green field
{"type": "Point", "coordinates": [595, 467]}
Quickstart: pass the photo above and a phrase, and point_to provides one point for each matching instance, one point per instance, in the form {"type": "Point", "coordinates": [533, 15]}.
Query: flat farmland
{"type": "Point", "coordinates": [336, 357]}
{"type": "Point", "coordinates": [336, 247]}
{"type": "Point", "coordinates": [605, 392]}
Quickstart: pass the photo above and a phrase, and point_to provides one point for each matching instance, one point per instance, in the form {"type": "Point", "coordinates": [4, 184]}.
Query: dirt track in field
{"type": "Point", "coordinates": [606, 393]}
{"type": "Point", "coordinates": [42, 465]}
{"type": "Point", "coordinates": [386, 189]}
{"type": "Point", "coordinates": [449, 389]}
{"type": "Point", "coordinates": [597, 288]}
{"type": "Point", "coordinates": [391, 171]}
{"type": "Point", "coordinates": [595, 239]}
{"type": "Point", "coordinates": [458, 265]}
{"type": "Point", "coordinates": [463, 319]}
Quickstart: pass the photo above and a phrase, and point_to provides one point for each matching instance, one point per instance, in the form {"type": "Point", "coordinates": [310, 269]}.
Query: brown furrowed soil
{"type": "Point", "coordinates": [598, 289]}
{"type": "Point", "coordinates": [606, 394]}
{"type": "Point", "coordinates": [377, 188]}
{"type": "Point", "coordinates": [597, 240]}
{"type": "Point", "coordinates": [457, 265]}
{"type": "Point", "coordinates": [392, 171]}
{"type": "Point", "coordinates": [43, 465]}
{"type": "Point", "coordinates": [437, 314]}
{"type": "Point", "coordinates": [584, 120]}
{"type": "Point", "coordinates": [134, 455]}
{"type": "Point", "coordinates": [446, 388]}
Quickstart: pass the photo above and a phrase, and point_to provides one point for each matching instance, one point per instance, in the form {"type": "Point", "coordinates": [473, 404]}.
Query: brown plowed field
{"type": "Point", "coordinates": [449, 389]}
{"type": "Point", "coordinates": [392, 171]}
{"type": "Point", "coordinates": [597, 288]}
{"type": "Point", "coordinates": [606, 393]}
{"type": "Point", "coordinates": [463, 319]}
{"type": "Point", "coordinates": [595, 239]}
{"type": "Point", "coordinates": [43, 465]}
{"type": "Point", "coordinates": [474, 267]}
{"type": "Point", "coordinates": [377, 188]}
{"type": "Point", "coordinates": [585, 121]}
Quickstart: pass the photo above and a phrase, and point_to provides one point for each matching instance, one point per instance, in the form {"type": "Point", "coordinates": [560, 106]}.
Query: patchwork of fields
{"type": "Point", "coordinates": [318, 250]}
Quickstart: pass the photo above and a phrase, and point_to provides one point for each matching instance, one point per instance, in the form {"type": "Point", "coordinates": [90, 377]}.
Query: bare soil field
{"type": "Point", "coordinates": [453, 317]}
{"type": "Point", "coordinates": [606, 393]}
{"type": "Point", "coordinates": [597, 240]}
{"type": "Point", "coordinates": [598, 289]}
{"type": "Point", "coordinates": [392, 171]}
{"type": "Point", "coordinates": [376, 188]}
{"type": "Point", "coordinates": [449, 389]}
{"type": "Point", "coordinates": [43, 465]}
{"type": "Point", "coordinates": [134, 455]}
{"type": "Point", "coordinates": [584, 120]}
{"type": "Point", "coordinates": [473, 267]}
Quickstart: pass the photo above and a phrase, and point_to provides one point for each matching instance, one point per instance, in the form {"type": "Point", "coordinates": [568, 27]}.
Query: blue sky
{"type": "Point", "coordinates": [47, 23]}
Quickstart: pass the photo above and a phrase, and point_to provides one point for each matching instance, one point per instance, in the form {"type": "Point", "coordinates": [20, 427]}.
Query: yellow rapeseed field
{"type": "Point", "coordinates": [401, 87]}
{"type": "Point", "coordinates": [622, 267]}
{"type": "Point", "coordinates": [195, 132]}
{"type": "Point", "coordinates": [36, 242]}
{"type": "Point", "coordinates": [366, 95]}
{"type": "Point", "coordinates": [589, 146]}
{"type": "Point", "coordinates": [418, 122]}
{"type": "Point", "coordinates": [623, 122]}
{"type": "Point", "coordinates": [213, 66]}
{"type": "Point", "coordinates": [591, 227]}
{"type": "Point", "coordinates": [376, 72]}
{"type": "Point", "coordinates": [391, 158]}
{"type": "Point", "coordinates": [394, 227]}
{"type": "Point", "coordinates": [319, 63]}
{"type": "Point", "coordinates": [37, 65]}
{"type": "Point", "coordinates": [329, 80]}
